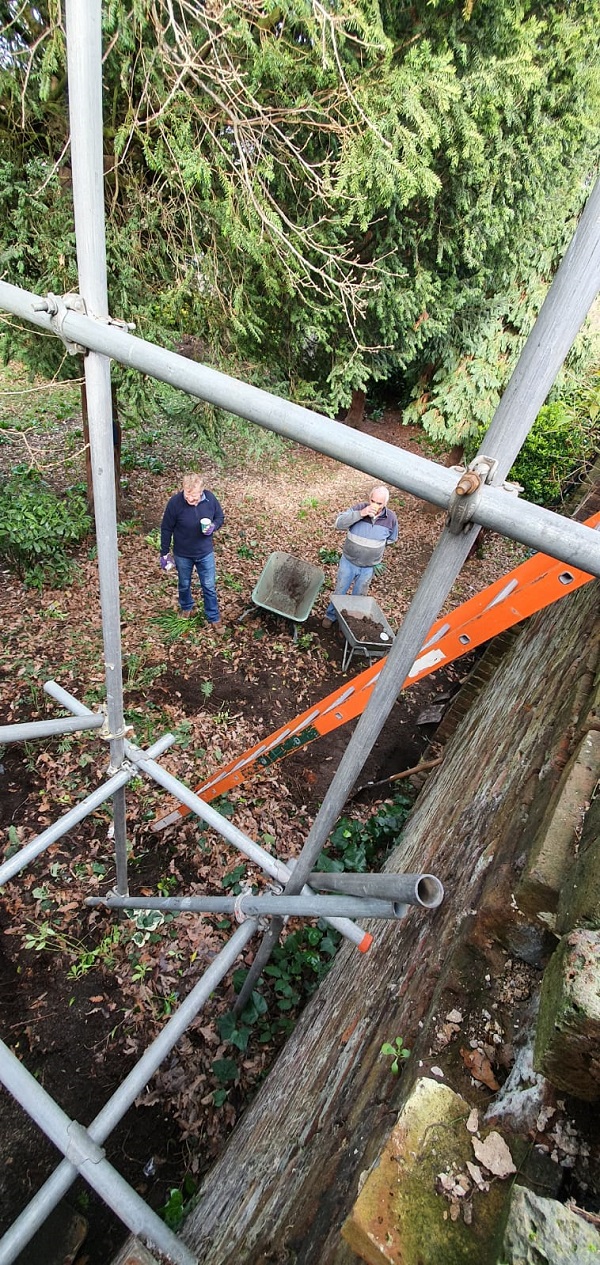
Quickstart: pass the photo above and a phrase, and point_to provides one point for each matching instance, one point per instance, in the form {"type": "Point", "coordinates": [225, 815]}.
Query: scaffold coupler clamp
{"type": "Point", "coordinates": [467, 493]}
{"type": "Point", "coordinates": [245, 890]}
{"type": "Point", "coordinates": [58, 309]}
{"type": "Point", "coordinates": [81, 1147]}
{"type": "Point", "coordinates": [277, 889]}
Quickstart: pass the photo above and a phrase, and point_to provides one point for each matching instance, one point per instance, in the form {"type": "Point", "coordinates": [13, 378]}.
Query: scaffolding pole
{"type": "Point", "coordinates": [411, 889]}
{"type": "Point", "coordinates": [59, 828]}
{"type": "Point", "coordinates": [40, 1207]}
{"type": "Point", "coordinates": [276, 869]}
{"type": "Point", "coordinates": [84, 67]}
{"type": "Point", "coordinates": [32, 729]}
{"type": "Point", "coordinates": [535, 527]}
{"type": "Point", "coordinates": [248, 905]}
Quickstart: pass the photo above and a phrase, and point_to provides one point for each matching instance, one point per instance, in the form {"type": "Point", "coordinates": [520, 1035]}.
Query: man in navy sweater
{"type": "Point", "coordinates": [190, 519]}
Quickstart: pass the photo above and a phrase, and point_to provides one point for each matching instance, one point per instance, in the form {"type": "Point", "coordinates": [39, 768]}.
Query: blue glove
{"type": "Point", "coordinates": [167, 562]}
{"type": "Point", "coordinates": [208, 531]}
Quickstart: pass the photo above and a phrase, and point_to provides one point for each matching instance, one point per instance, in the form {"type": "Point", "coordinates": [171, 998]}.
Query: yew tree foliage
{"type": "Point", "coordinates": [323, 194]}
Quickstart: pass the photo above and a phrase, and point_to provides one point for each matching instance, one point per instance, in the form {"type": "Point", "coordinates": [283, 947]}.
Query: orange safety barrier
{"type": "Point", "coordinates": [534, 584]}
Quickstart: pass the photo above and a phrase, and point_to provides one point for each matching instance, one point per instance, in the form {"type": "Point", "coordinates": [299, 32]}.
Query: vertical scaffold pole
{"type": "Point", "coordinates": [84, 61]}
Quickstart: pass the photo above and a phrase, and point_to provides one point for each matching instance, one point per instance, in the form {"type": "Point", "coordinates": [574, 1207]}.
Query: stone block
{"type": "Point", "coordinates": [567, 1042]}
{"type": "Point", "coordinates": [554, 846]}
{"type": "Point", "coordinates": [406, 1215]}
{"type": "Point", "coordinates": [542, 1230]}
{"type": "Point", "coordinates": [134, 1253]}
{"type": "Point", "coordinates": [579, 903]}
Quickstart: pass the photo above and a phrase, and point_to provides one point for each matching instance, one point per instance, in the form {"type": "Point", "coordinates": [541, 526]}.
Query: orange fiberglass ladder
{"type": "Point", "coordinates": [534, 584]}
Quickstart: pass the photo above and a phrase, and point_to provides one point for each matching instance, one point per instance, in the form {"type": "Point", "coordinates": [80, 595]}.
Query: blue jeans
{"type": "Point", "coordinates": [207, 575]}
{"type": "Point", "coordinates": [350, 579]}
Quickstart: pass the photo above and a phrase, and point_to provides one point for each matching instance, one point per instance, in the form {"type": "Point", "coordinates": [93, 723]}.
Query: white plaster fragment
{"type": "Point", "coordinates": [494, 1154]}
{"type": "Point", "coordinates": [473, 1121]}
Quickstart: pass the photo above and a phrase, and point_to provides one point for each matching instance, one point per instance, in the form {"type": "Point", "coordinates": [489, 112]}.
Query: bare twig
{"type": "Point", "coordinates": [592, 1217]}
{"type": "Point", "coordinates": [423, 767]}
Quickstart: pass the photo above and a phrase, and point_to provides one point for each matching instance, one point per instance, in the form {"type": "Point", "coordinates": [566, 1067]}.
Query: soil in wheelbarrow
{"type": "Point", "coordinates": [364, 629]}
{"type": "Point", "coordinates": [292, 584]}
{"type": "Point", "coordinates": [291, 590]}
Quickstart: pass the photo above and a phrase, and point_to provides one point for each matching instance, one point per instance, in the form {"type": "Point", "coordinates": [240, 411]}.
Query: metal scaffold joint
{"type": "Point", "coordinates": [124, 766]}
{"type": "Point", "coordinates": [466, 496]}
{"type": "Point", "coordinates": [105, 732]}
{"type": "Point", "coordinates": [81, 1147]}
{"type": "Point", "coordinates": [58, 309]}
{"type": "Point", "coordinates": [238, 912]}
{"type": "Point", "coordinates": [484, 467]}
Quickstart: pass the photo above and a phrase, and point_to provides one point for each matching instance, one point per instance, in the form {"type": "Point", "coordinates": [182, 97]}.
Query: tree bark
{"type": "Point", "coordinates": [356, 412]}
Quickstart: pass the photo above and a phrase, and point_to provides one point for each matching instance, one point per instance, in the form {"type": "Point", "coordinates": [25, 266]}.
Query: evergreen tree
{"type": "Point", "coordinates": [321, 195]}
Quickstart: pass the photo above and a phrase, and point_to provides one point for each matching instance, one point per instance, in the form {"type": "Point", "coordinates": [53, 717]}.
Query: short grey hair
{"type": "Point", "coordinates": [383, 492]}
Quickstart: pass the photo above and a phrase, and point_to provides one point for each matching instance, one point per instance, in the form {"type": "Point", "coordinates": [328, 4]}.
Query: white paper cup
{"type": "Point", "coordinates": [204, 523]}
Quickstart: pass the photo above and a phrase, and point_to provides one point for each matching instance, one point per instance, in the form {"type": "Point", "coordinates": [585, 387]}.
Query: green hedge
{"type": "Point", "coordinates": [562, 444]}
{"type": "Point", "coordinates": [38, 528]}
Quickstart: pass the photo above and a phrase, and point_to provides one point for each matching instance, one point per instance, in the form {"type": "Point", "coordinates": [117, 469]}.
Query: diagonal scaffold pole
{"type": "Point", "coordinates": [40, 1207]}
{"type": "Point", "coordinates": [276, 869]}
{"type": "Point", "coordinates": [563, 312]}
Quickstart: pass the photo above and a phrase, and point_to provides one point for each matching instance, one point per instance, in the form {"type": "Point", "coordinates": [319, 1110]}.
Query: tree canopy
{"type": "Point", "coordinates": [322, 195]}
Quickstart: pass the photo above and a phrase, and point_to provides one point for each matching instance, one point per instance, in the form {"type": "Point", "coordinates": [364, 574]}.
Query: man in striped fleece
{"type": "Point", "coordinates": [369, 527]}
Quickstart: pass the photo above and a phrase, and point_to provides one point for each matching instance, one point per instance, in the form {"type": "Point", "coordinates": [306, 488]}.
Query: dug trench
{"type": "Point", "coordinates": [79, 1031]}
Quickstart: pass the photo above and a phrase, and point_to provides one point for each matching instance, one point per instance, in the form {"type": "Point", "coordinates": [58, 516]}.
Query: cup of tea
{"type": "Point", "coordinates": [204, 523]}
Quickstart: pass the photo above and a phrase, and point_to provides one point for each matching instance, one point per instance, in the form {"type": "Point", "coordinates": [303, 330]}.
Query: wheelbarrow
{"type": "Point", "coordinates": [376, 638]}
{"type": "Point", "coordinates": [287, 587]}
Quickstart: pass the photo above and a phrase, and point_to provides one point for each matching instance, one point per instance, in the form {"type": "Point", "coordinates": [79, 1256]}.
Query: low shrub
{"type": "Point", "coordinates": [555, 454]}
{"type": "Point", "coordinates": [304, 956]}
{"type": "Point", "coordinates": [561, 445]}
{"type": "Point", "coordinates": [38, 528]}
